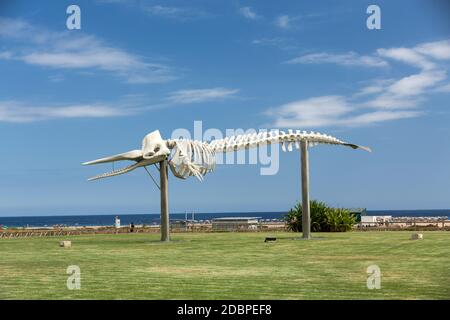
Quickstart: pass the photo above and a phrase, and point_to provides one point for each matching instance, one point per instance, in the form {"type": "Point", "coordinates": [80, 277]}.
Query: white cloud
{"type": "Point", "coordinates": [409, 56]}
{"type": "Point", "coordinates": [178, 13]}
{"type": "Point", "coordinates": [384, 100]}
{"type": "Point", "coordinates": [409, 91]}
{"type": "Point", "coordinates": [248, 13]}
{"type": "Point", "coordinates": [23, 112]}
{"type": "Point", "coordinates": [345, 59]}
{"type": "Point", "coordinates": [420, 55]}
{"type": "Point", "coordinates": [5, 55]}
{"type": "Point", "coordinates": [267, 41]}
{"type": "Point", "coordinates": [392, 101]}
{"type": "Point", "coordinates": [115, 1]}
{"type": "Point", "coordinates": [56, 78]}
{"type": "Point", "coordinates": [15, 28]}
{"type": "Point", "coordinates": [201, 95]}
{"type": "Point", "coordinates": [438, 50]}
{"type": "Point", "coordinates": [281, 43]}
{"type": "Point", "coordinates": [443, 88]}
{"type": "Point", "coordinates": [377, 116]}
{"type": "Point", "coordinates": [65, 50]}
{"type": "Point", "coordinates": [283, 21]}
{"type": "Point", "coordinates": [417, 83]}
{"type": "Point", "coordinates": [371, 89]}
{"type": "Point", "coordinates": [13, 111]}
{"type": "Point", "coordinates": [331, 111]}
{"type": "Point", "coordinates": [312, 112]}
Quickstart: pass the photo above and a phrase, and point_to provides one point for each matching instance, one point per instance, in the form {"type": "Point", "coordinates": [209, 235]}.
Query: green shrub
{"type": "Point", "coordinates": [339, 220]}
{"type": "Point", "coordinates": [323, 218]}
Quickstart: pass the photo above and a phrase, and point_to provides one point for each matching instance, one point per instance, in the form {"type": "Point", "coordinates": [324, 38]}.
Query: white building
{"type": "Point", "coordinates": [235, 223]}
{"type": "Point", "coordinates": [375, 220]}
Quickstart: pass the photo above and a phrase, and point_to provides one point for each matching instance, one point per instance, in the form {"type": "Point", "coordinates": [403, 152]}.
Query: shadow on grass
{"type": "Point", "coordinates": [302, 239]}
{"type": "Point", "coordinates": [151, 241]}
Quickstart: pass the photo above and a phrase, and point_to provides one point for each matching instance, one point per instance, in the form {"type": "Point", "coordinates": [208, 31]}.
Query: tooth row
{"type": "Point", "coordinates": [115, 172]}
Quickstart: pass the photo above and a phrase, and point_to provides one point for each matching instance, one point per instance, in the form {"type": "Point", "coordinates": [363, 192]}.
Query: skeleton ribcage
{"type": "Point", "coordinates": [196, 158]}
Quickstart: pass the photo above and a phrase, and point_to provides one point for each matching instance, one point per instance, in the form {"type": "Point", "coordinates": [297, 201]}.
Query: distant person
{"type": "Point", "coordinates": [117, 222]}
{"type": "Point", "coordinates": [132, 227]}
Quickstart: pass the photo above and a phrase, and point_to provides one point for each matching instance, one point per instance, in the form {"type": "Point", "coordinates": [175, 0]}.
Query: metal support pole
{"type": "Point", "coordinates": [164, 185]}
{"type": "Point", "coordinates": [306, 217]}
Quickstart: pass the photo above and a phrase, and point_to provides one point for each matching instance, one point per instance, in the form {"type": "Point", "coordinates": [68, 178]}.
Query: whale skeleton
{"type": "Point", "coordinates": [187, 158]}
{"type": "Point", "coordinates": [196, 158]}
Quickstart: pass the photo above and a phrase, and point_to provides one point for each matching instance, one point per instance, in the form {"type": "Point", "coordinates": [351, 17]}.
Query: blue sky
{"type": "Point", "coordinates": [68, 96]}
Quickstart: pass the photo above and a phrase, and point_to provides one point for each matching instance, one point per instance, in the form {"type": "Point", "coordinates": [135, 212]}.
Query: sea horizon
{"type": "Point", "coordinates": [154, 218]}
{"type": "Point", "coordinates": [369, 212]}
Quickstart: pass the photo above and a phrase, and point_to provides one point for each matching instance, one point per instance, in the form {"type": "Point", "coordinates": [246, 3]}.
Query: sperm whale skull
{"type": "Point", "coordinates": [154, 146]}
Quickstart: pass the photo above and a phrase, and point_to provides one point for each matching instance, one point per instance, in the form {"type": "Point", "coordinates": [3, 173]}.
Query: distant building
{"type": "Point", "coordinates": [178, 224]}
{"type": "Point", "coordinates": [235, 223]}
{"type": "Point", "coordinates": [375, 220]}
{"type": "Point", "coordinates": [358, 213]}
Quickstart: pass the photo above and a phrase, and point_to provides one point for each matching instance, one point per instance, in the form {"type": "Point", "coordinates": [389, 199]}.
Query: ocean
{"type": "Point", "coordinates": [149, 219]}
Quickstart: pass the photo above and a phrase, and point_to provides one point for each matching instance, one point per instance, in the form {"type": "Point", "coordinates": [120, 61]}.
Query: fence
{"type": "Point", "coordinates": [26, 233]}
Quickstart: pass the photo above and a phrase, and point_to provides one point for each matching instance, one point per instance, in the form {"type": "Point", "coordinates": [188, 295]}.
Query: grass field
{"type": "Point", "coordinates": [228, 266]}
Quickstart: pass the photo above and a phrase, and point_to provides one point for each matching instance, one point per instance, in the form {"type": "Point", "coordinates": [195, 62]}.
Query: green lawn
{"type": "Point", "coordinates": [228, 266]}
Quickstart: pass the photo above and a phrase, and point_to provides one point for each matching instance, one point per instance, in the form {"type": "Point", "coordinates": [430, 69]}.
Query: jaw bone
{"type": "Point", "coordinates": [134, 155]}
{"type": "Point", "coordinates": [154, 149]}
{"type": "Point", "coordinates": [138, 164]}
